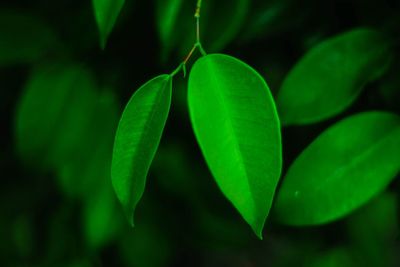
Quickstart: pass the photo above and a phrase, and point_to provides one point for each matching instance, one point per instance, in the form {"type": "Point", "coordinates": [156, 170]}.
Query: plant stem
{"type": "Point", "coordinates": [182, 66]}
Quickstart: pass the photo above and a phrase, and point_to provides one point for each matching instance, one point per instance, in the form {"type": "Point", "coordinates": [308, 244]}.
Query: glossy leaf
{"type": "Point", "coordinates": [341, 170]}
{"type": "Point", "coordinates": [53, 114]}
{"type": "Point", "coordinates": [237, 127]}
{"type": "Point", "coordinates": [137, 139]}
{"type": "Point", "coordinates": [106, 13]}
{"type": "Point", "coordinates": [24, 38]}
{"type": "Point", "coordinates": [331, 75]}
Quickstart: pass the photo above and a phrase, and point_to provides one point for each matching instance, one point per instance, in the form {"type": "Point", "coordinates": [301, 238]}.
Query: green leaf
{"type": "Point", "coordinates": [137, 139]}
{"type": "Point", "coordinates": [24, 38]}
{"type": "Point", "coordinates": [106, 13]}
{"type": "Point", "coordinates": [331, 75]}
{"type": "Point", "coordinates": [53, 114]}
{"type": "Point", "coordinates": [82, 173]}
{"type": "Point", "coordinates": [341, 170]}
{"type": "Point", "coordinates": [237, 127]}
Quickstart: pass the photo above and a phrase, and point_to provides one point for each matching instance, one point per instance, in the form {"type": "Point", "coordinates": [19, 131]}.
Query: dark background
{"type": "Point", "coordinates": [183, 219]}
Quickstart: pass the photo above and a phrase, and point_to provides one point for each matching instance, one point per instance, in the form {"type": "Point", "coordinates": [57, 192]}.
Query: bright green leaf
{"type": "Point", "coordinates": [341, 170]}
{"type": "Point", "coordinates": [106, 13]}
{"type": "Point", "coordinates": [331, 75]}
{"type": "Point", "coordinates": [24, 38]}
{"type": "Point", "coordinates": [237, 127]}
{"type": "Point", "coordinates": [137, 139]}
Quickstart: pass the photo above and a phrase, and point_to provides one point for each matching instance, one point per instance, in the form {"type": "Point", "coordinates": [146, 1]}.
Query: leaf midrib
{"type": "Point", "coordinates": [237, 149]}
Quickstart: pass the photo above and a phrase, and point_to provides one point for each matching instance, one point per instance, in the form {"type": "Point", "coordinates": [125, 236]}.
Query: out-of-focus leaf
{"type": "Point", "coordinates": [373, 229]}
{"type": "Point", "coordinates": [91, 165]}
{"type": "Point", "coordinates": [341, 256]}
{"type": "Point", "coordinates": [389, 87]}
{"type": "Point", "coordinates": [331, 75]}
{"type": "Point", "coordinates": [137, 139]}
{"type": "Point", "coordinates": [341, 170]}
{"type": "Point", "coordinates": [272, 16]}
{"type": "Point", "coordinates": [101, 219]}
{"type": "Point", "coordinates": [106, 13]}
{"type": "Point", "coordinates": [53, 113]}
{"type": "Point", "coordinates": [176, 24]}
{"type": "Point", "coordinates": [24, 39]}
{"type": "Point", "coordinates": [236, 125]}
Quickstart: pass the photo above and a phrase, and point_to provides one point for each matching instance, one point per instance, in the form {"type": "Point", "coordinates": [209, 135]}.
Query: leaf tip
{"type": "Point", "coordinates": [258, 231]}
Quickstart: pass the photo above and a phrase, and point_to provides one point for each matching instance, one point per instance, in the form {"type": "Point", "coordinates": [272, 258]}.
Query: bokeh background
{"type": "Point", "coordinates": [61, 97]}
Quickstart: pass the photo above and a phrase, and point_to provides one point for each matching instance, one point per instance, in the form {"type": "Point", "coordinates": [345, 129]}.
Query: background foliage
{"type": "Point", "coordinates": [61, 97]}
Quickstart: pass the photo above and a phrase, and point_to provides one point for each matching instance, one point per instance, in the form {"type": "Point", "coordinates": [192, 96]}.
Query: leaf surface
{"type": "Point", "coordinates": [237, 127]}
{"type": "Point", "coordinates": [137, 139]}
{"type": "Point", "coordinates": [341, 170]}
{"type": "Point", "coordinates": [328, 78]}
{"type": "Point", "coordinates": [106, 13]}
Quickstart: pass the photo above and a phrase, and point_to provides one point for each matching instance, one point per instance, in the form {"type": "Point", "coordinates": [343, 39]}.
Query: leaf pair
{"type": "Point", "coordinates": [235, 123]}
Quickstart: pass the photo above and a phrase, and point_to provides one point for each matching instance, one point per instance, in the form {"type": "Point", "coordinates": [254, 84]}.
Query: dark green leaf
{"type": "Point", "coordinates": [106, 13]}
{"type": "Point", "coordinates": [271, 17]}
{"type": "Point", "coordinates": [341, 256]}
{"type": "Point", "coordinates": [331, 75]}
{"type": "Point", "coordinates": [137, 139]}
{"type": "Point", "coordinates": [53, 114]}
{"type": "Point", "coordinates": [24, 39]}
{"type": "Point", "coordinates": [341, 170]}
{"type": "Point", "coordinates": [235, 122]}
{"type": "Point", "coordinates": [82, 173]}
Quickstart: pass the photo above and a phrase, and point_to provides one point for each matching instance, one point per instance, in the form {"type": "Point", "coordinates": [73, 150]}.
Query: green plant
{"type": "Point", "coordinates": [236, 125]}
{"type": "Point", "coordinates": [235, 122]}
{"type": "Point", "coordinates": [305, 150]}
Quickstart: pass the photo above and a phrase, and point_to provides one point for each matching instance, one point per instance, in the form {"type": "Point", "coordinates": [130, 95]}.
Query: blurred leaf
{"type": "Point", "coordinates": [331, 75]}
{"type": "Point", "coordinates": [236, 125]}
{"type": "Point", "coordinates": [106, 13]}
{"type": "Point", "coordinates": [341, 256]}
{"type": "Point", "coordinates": [389, 87]}
{"type": "Point", "coordinates": [271, 17]}
{"type": "Point", "coordinates": [101, 220]}
{"type": "Point", "coordinates": [53, 113]}
{"type": "Point", "coordinates": [90, 168]}
{"type": "Point", "coordinates": [24, 38]}
{"type": "Point", "coordinates": [220, 22]}
{"type": "Point", "coordinates": [373, 230]}
{"type": "Point", "coordinates": [169, 15]}
{"type": "Point", "coordinates": [137, 139]}
{"type": "Point", "coordinates": [341, 170]}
